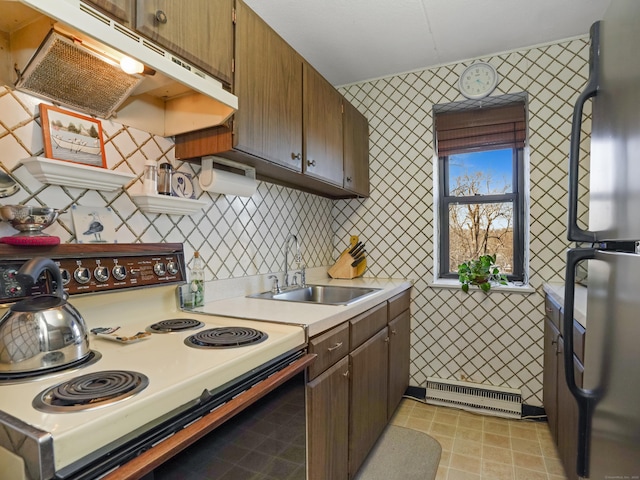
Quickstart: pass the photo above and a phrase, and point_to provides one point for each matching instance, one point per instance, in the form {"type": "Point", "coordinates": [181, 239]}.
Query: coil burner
{"type": "Point", "coordinates": [175, 325]}
{"type": "Point", "coordinates": [91, 391]}
{"type": "Point", "coordinates": [225, 337]}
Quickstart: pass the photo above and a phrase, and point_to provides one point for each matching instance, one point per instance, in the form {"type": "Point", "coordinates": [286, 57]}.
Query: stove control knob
{"type": "Point", "coordinates": [82, 275]}
{"type": "Point", "coordinates": [101, 274]}
{"type": "Point", "coordinates": [160, 269]}
{"type": "Point", "coordinates": [119, 272]}
{"type": "Point", "coordinates": [13, 290]}
{"type": "Point", "coordinates": [9, 273]}
{"type": "Point", "coordinates": [66, 276]}
{"type": "Point", "coordinates": [172, 267]}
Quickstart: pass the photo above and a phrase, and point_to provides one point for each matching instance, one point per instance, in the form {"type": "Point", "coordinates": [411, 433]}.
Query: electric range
{"type": "Point", "coordinates": [181, 380]}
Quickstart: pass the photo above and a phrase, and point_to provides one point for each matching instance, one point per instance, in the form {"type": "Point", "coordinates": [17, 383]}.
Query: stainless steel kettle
{"type": "Point", "coordinates": [44, 331]}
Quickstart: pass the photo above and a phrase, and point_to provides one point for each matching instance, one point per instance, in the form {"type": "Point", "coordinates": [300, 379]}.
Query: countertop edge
{"type": "Point", "coordinates": [556, 292]}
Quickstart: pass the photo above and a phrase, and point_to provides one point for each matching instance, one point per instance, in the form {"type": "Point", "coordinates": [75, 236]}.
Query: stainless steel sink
{"type": "Point", "coordinates": [320, 294]}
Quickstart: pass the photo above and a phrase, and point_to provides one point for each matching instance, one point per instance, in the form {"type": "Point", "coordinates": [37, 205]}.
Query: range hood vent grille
{"type": "Point", "coordinates": [91, 84]}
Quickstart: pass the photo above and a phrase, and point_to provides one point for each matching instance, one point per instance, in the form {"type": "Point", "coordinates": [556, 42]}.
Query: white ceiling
{"type": "Point", "coordinates": [350, 41]}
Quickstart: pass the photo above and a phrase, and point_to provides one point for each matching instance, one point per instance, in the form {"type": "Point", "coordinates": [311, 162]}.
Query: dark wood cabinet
{"type": "Point", "coordinates": [120, 10]}
{"type": "Point", "coordinates": [356, 150]}
{"type": "Point", "coordinates": [268, 83]}
{"type": "Point", "coordinates": [559, 404]}
{"type": "Point", "coordinates": [200, 31]}
{"type": "Point", "coordinates": [378, 367]}
{"type": "Point", "coordinates": [323, 143]}
{"type": "Point", "coordinates": [289, 124]}
{"type": "Point", "coordinates": [399, 359]}
{"type": "Point", "coordinates": [368, 397]}
{"type": "Point", "coordinates": [328, 423]}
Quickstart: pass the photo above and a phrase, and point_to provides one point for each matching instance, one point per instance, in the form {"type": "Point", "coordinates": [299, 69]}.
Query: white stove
{"type": "Point", "coordinates": [180, 378]}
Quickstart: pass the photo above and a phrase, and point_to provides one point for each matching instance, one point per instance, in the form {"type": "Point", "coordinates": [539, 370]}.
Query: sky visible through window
{"type": "Point", "coordinates": [498, 164]}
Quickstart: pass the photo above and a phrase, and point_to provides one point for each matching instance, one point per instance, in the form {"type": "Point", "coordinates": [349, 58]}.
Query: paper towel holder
{"type": "Point", "coordinates": [228, 183]}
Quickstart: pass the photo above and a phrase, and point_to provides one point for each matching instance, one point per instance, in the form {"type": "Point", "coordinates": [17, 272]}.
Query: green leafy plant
{"type": "Point", "coordinates": [481, 272]}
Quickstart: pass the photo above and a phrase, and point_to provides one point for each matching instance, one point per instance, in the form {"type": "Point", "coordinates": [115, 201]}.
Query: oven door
{"type": "Point", "coordinates": [261, 412]}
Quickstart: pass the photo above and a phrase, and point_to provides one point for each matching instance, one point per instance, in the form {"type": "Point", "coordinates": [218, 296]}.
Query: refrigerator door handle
{"type": "Point", "coordinates": [574, 232]}
{"type": "Point", "coordinates": [586, 399]}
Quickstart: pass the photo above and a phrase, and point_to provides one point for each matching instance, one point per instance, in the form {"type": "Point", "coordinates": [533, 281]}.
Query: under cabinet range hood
{"type": "Point", "coordinates": [68, 53]}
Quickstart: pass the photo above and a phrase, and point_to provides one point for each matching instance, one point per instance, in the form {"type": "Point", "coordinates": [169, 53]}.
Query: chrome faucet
{"type": "Point", "coordinates": [298, 259]}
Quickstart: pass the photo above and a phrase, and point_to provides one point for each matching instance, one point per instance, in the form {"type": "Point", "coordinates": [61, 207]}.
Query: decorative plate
{"type": "Point", "coordinates": [182, 185]}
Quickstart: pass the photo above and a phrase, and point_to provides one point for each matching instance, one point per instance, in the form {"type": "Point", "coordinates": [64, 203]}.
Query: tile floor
{"type": "Point", "coordinates": [478, 447]}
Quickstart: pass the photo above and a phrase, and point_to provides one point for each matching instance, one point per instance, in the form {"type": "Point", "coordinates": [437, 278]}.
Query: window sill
{"type": "Point", "coordinates": [510, 288]}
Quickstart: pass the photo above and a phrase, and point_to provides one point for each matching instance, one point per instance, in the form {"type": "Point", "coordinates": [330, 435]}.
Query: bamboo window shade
{"type": "Point", "coordinates": [481, 129]}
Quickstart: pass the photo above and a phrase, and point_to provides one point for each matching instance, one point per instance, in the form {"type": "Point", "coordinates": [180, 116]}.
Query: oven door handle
{"type": "Point", "coordinates": [154, 457]}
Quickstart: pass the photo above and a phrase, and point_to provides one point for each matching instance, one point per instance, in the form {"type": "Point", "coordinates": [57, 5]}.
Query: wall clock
{"type": "Point", "coordinates": [478, 80]}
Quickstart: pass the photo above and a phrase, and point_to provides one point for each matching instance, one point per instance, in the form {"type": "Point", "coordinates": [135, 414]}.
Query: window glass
{"type": "Point", "coordinates": [481, 173]}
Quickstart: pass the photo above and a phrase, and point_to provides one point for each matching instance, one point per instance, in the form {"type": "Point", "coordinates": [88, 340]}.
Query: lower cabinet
{"type": "Point", "coordinates": [559, 404]}
{"type": "Point", "coordinates": [355, 384]}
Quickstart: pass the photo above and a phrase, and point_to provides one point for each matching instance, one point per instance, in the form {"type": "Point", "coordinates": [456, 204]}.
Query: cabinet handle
{"type": "Point", "coordinates": [311, 163]}
{"type": "Point", "coordinates": [296, 156]}
{"type": "Point", "coordinates": [386, 340]}
{"type": "Point", "coordinates": [348, 179]}
{"type": "Point", "coordinates": [394, 332]}
{"type": "Point", "coordinates": [161, 17]}
{"type": "Point", "coordinates": [335, 347]}
{"type": "Point", "coordinates": [346, 374]}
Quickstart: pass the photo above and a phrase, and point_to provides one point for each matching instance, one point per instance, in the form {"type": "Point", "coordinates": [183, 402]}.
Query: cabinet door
{"type": "Point", "coordinates": [356, 150]}
{"type": "Point", "coordinates": [119, 10]}
{"type": "Point", "coordinates": [328, 423]}
{"type": "Point", "coordinates": [200, 31]}
{"type": "Point", "coordinates": [268, 83]}
{"type": "Point", "coordinates": [368, 397]}
{"type": "Point", "coordinates": [550, 376]}
{"type": "Point", "coordinates": [399, 346]}
{"type": "Point", "coordinates": [322, 128]}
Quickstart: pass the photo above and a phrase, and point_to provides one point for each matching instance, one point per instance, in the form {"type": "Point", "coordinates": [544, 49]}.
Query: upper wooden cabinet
{"type": "Point", "coordinates": [268, 84]}
{"type": "Point", "coordinates": [289, 124]}
{"type": "Point", "coordinates": [119, 10]}
{"type": "Point", "coordinates": [323, 157]}
{"type": "Point", "coordinates": [199, 31]}
{"type": "Point", "coordinates": [355, 129]}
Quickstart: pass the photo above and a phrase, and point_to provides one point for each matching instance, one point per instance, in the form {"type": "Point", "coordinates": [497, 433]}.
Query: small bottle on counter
{"type": "Point", "coordinates": [196, 281]}
{"type": "Point", "coordinates": [165, 173]}
{"type": "Point", "coordinates": [150, 177]}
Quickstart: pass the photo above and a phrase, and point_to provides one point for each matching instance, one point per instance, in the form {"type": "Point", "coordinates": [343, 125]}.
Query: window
{"type": "Point", "coordinates": [481, 187]}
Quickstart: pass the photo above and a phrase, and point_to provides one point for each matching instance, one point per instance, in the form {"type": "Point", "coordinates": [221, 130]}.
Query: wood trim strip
{"type": "Point", "coordinates": [154, 457]}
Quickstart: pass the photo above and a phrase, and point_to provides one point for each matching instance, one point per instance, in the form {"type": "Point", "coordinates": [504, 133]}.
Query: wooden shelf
{"type": "Point", "coordinates": [60, 172]}
{"type": "Point", "coordinates": [167, 204]}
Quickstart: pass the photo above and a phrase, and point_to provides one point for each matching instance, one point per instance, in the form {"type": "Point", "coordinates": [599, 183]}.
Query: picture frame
{"type": "Point", "coordinates": [72, 137]}
{"type": "Point", "coordinates": [93, 224]}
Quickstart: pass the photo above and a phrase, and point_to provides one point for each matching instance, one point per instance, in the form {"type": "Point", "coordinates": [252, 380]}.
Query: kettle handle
{"type": "Point", "coordinates": [31, 270]}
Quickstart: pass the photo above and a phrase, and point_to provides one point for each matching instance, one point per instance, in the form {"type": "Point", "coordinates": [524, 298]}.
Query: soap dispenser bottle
{"type": "Point", "coordinates": [196, 280]}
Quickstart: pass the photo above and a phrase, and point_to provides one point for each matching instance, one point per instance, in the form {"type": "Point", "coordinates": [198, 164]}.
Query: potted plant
{"type": "Point", "coordinates": [481, 272]}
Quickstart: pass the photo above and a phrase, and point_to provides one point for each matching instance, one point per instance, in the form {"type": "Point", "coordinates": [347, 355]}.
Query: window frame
{"type": "Point", "coordinates": [516, 196]}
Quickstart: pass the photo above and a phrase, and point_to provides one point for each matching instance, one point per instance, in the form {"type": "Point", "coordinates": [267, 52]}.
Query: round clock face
{"type": "Point", "coordinates": [478, 80]}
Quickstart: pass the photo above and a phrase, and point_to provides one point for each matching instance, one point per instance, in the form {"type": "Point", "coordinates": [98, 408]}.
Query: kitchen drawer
{"type": "Point", "coordinates": [552, 311]}
{"type": "Point", "coordinates": [330, 347]}
{"type": "Point", "coordinates": [578, 341]}
{"type": "Point", "coordinates": [364, 326]}
{"type": "Point", "coordinates": [399, 304]}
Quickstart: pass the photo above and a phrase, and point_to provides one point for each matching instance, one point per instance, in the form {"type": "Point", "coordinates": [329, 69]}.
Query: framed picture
{"type": "Point", "coordinates": [72, 137]}
{"type": "Point", "coordinates": [93, 224]}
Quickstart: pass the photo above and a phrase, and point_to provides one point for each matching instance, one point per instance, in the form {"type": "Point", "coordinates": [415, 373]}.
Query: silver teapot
{"type": "Point", "coordinates": [44, 331]}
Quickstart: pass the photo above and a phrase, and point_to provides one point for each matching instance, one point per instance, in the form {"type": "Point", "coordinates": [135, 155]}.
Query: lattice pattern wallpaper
{"type": "Point", "coordinates": [494, 339]}
{"type": "Point", "coordinates": [236, 236]}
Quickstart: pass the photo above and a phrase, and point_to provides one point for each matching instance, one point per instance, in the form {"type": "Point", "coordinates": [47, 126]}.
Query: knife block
{"type": "Point", "coordinates": [343, 269]}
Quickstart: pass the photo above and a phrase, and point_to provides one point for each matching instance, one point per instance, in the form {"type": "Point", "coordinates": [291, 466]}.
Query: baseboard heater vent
{"type": "Point", "coordinates": [498, 401]}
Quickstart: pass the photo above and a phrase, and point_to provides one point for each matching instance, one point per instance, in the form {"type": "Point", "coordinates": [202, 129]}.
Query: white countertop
{"type": "Point", "coordinates": [556, 291]}
{"type": "Point", "coordinates": [316, 318]}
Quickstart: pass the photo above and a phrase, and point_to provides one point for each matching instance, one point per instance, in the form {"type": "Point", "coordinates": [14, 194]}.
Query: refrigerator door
{"type": "Point", "coordinates": [614, 171]}
{"type": "Point", "coordinates": [609, 400]}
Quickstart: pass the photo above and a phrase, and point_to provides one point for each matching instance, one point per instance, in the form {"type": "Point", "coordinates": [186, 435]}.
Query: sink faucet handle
{"type": "Point", "coordinates": [276, 284]}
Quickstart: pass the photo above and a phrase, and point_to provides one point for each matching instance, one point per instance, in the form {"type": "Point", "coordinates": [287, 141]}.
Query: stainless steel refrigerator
{"type": "Point", "coordinates": [609, 399]}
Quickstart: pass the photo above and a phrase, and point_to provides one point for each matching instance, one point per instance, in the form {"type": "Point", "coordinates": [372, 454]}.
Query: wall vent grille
{"type": "Point", "coordinates": [473, 397]}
